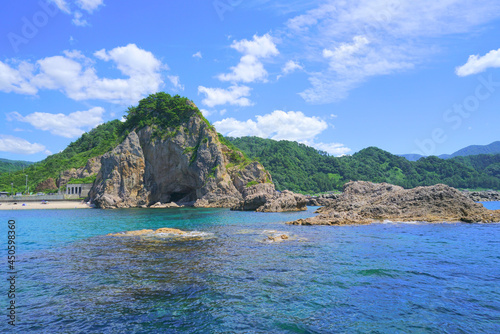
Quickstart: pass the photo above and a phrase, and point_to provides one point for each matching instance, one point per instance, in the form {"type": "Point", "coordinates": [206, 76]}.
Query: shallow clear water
{"type": "Point", "coordinates": [380, 278]}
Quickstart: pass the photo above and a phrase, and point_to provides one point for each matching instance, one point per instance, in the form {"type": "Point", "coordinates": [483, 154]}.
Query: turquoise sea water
{"type": "Point", "coordinates": [380, 278]}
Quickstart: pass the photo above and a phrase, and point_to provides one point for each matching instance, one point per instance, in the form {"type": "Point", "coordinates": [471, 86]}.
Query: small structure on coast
{"type": "Point", "coordinates": [78, 189]}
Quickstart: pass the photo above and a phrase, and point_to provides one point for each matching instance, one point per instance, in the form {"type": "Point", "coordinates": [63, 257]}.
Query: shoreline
{"type": "Point", "coordinates": [50, 205]}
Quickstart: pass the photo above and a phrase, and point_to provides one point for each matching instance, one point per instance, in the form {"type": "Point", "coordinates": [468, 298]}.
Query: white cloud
{"type": "Point", "coordinates": [331, 148]}
{"type": "Point", "coordinates": [62, 5]}
{"type": "Point", "coordinates": [18, 145]}
{"type": "Point", "coordinates": [89, 5]}
{"type": "Point", "coordinates": [206, 112]}
{"type": "Point", "coordinates": [235, 95]}
{"type": "Point", "coordinates": [250, 67]}
{"type": "Point", "coordinates": [198, 55]}
{"type": "Point", "coordinates": [175, 80]}
{"type": "Point", "coordinates": [291, 125]}
{"type": "Point", "coordinates": [349, 42]}
{"type": "Point", "coordinates": [291, 66]}
{"type": "Point", "coordinates": [281, 125]}
{"type": "Point", "coordinates": [476, 64]}
{"type": "Point", "coordinates": [69, 126]}
{"type": "Point", "coordinates": [17, 80]}
{"type": "Point", "coordinates": [74, 75]}
{"type": "Point", "coordinates": [261, 47]}
{"type": "Point", "coordinates": [78, 21]}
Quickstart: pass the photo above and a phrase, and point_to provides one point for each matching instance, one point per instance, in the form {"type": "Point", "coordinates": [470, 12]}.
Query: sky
{"type": "Point", "coordinates": [405, 76]}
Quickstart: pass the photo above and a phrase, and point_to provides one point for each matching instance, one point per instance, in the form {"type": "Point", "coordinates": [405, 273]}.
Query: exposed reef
{"type": "Point", "coordinates": [483, 196]}
{"type": "Point", "coordinates": [365, 202]}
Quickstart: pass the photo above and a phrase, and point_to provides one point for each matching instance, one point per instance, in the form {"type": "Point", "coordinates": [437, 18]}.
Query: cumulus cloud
{"type": "Point", "coordinates": [476, 64]}
{"type": "Point", "coordinates": [331, 148]}
{"type": "Point", "coordinates": [235, 95]}
{"type": "Point", "coordinates": [349, 42]}
{"type": "Point", "coordinates": [17, 79]}
{"type": "Point", "coordinates": [18, 145]}
{"type": "Point", "coordinates": [69, 126]}
{"type": "Point", "coordinates": [89, 5]}
{"type": "Point", "coordinates": [74, 75]}
{"type": "Point", "coordinates": [250, 67]}
{"type": "Point", "coordinates": [198, 55]}
{"type": "Point", "coordinates": [281, 125]}
{"type": "Point", "coordinates": [175, 81]}
{"type": "Point", "coordinates": [291, 125]}
{"type": "Point", "coordinates": [291, 66]}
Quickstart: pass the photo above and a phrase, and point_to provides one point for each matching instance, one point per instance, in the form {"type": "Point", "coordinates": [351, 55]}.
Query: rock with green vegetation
{"type": "Point", "coordinates": [365, 202]}
{"type": "Point", "coordinates": [171, 153]}
{"type": "Point", "coordinates": [46, 185]}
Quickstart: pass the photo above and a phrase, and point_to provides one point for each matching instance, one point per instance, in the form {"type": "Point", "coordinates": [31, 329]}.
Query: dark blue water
{"type": "Point", "coordinates": [380, 278]}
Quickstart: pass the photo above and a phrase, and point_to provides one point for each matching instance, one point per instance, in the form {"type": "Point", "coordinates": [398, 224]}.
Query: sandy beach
{"type": "Point", "coordinates": [48, 205]}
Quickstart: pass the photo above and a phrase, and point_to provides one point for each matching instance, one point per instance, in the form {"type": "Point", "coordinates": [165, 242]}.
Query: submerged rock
{"type": "Point", "coordinates": [167, 230]}
{"type": "Point", "coordinates": [365, 202]}
{"type": "Point", "coordinates": [159, 205]}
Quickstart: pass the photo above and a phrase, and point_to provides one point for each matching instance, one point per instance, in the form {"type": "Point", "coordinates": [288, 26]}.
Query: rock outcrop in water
{"type": "Point", "coordinates": [365, 202]}
{"type": "Point", "coordinates": [483, 196]}
{"type": "Point", "coordinates": [264, 198]}
{"type": "Point", "coordinates": [321, 200]}
{"type": "Point", "coordinates": [186, 162]}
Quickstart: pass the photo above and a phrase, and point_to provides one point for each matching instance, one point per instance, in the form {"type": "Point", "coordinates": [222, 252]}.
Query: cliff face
{"type": "Point", "coordinates": [185, 164]}
{"type": "Point", "coordinates": [365, 202]}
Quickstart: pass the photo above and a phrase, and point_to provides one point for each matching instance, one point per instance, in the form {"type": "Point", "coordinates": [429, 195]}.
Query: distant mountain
{"type": "Point", "coordinates": [301, 168]}
{"type": "Point", "coordinates": [13, 165]}
{"type": "Point", "coordinates": [493, 148]}
{"type": "Point", "coordinates": [411, 157]}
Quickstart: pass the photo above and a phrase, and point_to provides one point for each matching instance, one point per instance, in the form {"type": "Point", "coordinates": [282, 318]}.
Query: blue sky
{"type": "Point", "coordinates": [405, 76]}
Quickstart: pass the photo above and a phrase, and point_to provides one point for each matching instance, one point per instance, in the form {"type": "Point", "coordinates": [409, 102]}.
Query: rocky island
{"type": "Point", "coordinates": [365, 202]}
{"type": "Point", "coordinates": [170, 154]}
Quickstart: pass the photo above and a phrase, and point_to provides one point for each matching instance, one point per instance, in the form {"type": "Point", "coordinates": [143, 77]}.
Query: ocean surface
{"type": "Point", "coordinates": [225, 277]}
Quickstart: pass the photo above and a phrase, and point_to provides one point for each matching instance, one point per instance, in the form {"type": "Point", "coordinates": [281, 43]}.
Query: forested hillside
{"type": "Point", "coordinates": [96, 142]}
{"type": "Point", "coordinates": [301, 168]}
{"type": "Point", "coordinates": [7, 166]}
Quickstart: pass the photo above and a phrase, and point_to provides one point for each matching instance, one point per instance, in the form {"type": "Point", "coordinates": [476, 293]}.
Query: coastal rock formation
{"type": "Point", "coordinates": [119, 183]}
{"type": "Point", "coordinates": [264, 198]}
{"type": "Point", "coordinates": [186, 164]}
{"type": "Point", "coordinates": [321, 200]}
{"type": "Point", "coordinates": [365, 202]}
{"type": "Point", "coordinates": [483, 196]}
{"type": "Point", "coordinates": [91, 168]}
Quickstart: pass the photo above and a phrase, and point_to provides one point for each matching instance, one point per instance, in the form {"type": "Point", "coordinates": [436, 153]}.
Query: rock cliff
{"type": "Point", "coordinates": [364, 202]}
{"type": "Point", "coordinates": [187, 163]}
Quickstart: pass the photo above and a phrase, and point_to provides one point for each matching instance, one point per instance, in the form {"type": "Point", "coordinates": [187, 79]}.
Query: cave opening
{"type": "Point", "coordinates": [184, 195]}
